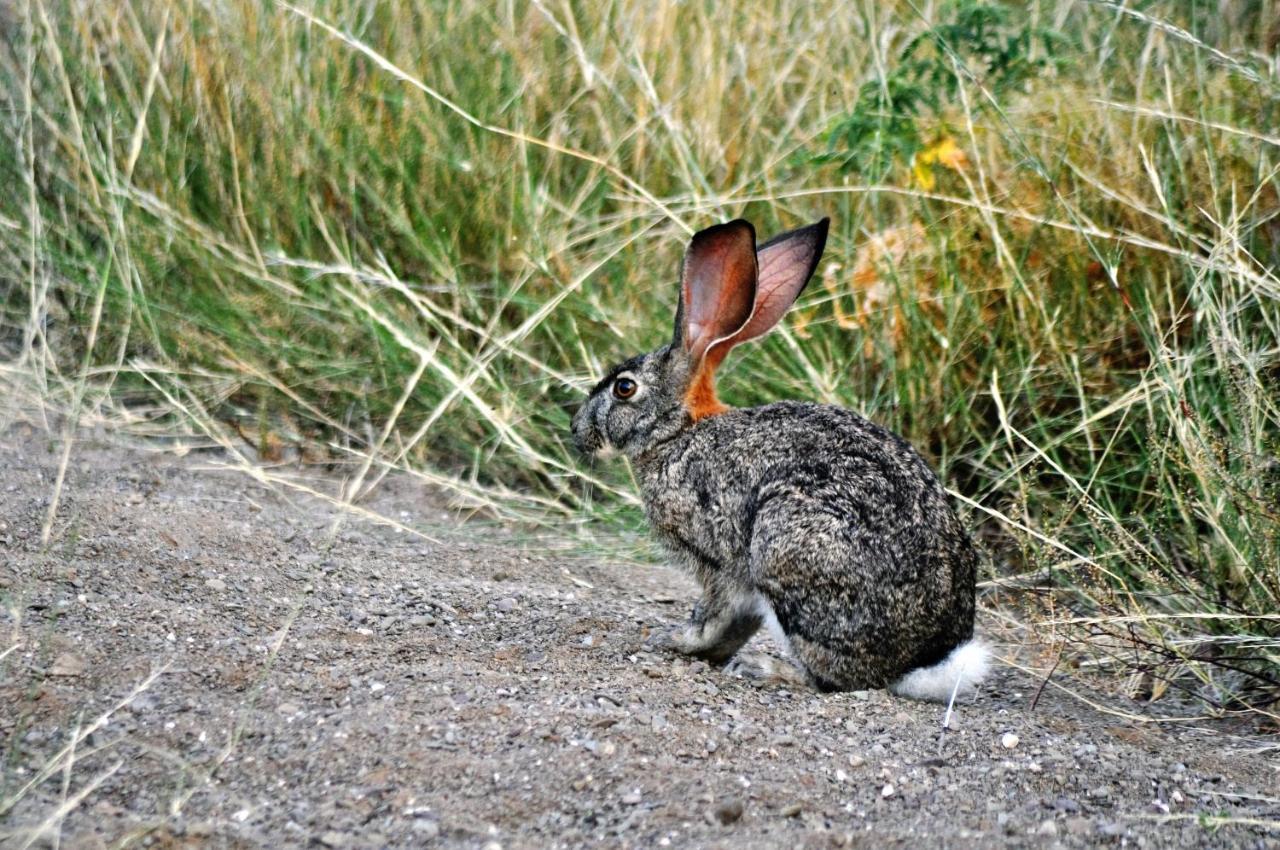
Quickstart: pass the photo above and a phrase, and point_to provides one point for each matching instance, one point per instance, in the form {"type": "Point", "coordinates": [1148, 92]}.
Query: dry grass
{"type": "Point", "coordinates": [397, 239]}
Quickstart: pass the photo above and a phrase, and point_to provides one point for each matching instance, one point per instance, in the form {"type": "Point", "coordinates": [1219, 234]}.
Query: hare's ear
{"type": "Point", "coordinates": [786, 262]}
{"type": "Point", "coordinates": [717, 287]}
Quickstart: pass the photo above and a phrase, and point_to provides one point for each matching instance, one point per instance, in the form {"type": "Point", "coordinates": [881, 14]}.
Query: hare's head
{"type": "Point", "coordinates": [730, 292]}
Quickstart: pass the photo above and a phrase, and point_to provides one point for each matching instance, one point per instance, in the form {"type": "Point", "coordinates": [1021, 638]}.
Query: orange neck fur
{"type": "Point", "coordinates": [700, 399]}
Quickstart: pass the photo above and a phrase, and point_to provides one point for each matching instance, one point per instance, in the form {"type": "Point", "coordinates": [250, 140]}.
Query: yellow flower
{"type": "Point", "coordinates": [944, 152]}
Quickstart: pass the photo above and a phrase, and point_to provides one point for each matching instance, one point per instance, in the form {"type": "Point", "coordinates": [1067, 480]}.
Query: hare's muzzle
{"type": "Point", "coordinates": [585, 437]}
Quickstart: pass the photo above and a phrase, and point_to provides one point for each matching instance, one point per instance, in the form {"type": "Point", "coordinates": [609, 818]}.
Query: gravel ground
{"type": "Point", "coordinates": [491, 691]}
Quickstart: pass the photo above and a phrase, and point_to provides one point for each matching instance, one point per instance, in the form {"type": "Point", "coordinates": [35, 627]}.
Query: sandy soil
{"type": "Point", "coordinates": [229, 675]}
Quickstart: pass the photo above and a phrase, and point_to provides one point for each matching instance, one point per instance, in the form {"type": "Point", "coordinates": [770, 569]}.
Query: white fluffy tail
{"type": "Point", "coordinates": [957, 674]}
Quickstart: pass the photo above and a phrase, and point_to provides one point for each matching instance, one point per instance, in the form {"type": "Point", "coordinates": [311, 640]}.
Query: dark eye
{"type": "Point", "coordinates": [624, 388]}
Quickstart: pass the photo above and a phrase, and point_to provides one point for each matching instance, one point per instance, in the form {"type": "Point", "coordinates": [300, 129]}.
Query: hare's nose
{"type": "Point", "coordinates": [585, 438]}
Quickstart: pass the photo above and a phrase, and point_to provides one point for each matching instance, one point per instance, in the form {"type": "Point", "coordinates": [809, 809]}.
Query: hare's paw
{"type": "Point", "coordinates": [674, 639]}
{"type": "Point", "coordinates": [766, 670]}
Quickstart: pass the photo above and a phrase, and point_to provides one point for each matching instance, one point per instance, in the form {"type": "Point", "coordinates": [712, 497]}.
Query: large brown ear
{"type": "Point", "coordinates": [717, 286]}
{"type": "Point", "coordinates": [786, 262]}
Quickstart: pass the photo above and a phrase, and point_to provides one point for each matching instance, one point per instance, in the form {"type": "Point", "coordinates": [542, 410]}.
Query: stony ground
{"type": "Point", "coordinates": [196, 660]}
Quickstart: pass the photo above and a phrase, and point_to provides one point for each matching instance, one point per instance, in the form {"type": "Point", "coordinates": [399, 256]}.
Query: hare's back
{"type": "Point", "coordinates": [827, 450]}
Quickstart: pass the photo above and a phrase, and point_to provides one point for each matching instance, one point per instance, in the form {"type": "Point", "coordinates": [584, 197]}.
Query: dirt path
{"type": "Point", "coordinates": [388, 691]}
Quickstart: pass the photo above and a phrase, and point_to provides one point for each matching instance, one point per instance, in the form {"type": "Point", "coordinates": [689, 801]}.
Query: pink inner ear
{"type": "Point", "coordinates": [785, 266]}
{"type": "Point", "coordinates": [718, 286]}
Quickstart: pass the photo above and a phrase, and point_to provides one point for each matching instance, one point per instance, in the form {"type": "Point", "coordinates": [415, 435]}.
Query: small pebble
{"type": "Point", "coordinates": [1009, 740]}
{"type": "Point", "coordinates": [426, 829]}
{"type": "Point", "coordinates": [67, 664]}
{"type": "Point", "coordinates": [728, 811]}
{"type": "Point", "coordinates": [333, 838]}
{"type": "Point", "coordinates": [1065, 804]}
{"type": "Point", "coordinates": [887, 791]}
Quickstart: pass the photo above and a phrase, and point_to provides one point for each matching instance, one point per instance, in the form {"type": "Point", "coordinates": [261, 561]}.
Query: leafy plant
{"type": "Point", "coordinates": [980, 42]}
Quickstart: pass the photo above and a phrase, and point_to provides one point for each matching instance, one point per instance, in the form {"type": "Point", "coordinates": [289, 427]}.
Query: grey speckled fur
{"type": "Point", "coordinates": [833, 523]}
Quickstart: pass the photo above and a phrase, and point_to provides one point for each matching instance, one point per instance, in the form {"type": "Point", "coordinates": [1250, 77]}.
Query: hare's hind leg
{"type": "Point", "coordinates": [764, 667]}
{"type": "Point", "coordinates": [827, 593]}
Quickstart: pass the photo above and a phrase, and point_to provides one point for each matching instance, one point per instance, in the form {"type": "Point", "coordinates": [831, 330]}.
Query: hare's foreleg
{"type": "Point", "coordinates": [724, 619]}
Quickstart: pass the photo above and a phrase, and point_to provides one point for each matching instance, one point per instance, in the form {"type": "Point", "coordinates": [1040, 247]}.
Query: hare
{"type": "Point", "coordinates": [808, 517]}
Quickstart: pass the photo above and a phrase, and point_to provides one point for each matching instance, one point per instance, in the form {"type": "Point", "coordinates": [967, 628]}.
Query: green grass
{"type": "Point", "coordinates": [408, 237]}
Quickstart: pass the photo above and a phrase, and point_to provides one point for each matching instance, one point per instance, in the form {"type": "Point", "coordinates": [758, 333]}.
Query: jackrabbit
{"type": "Point", "coordinates": [804, 516]}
